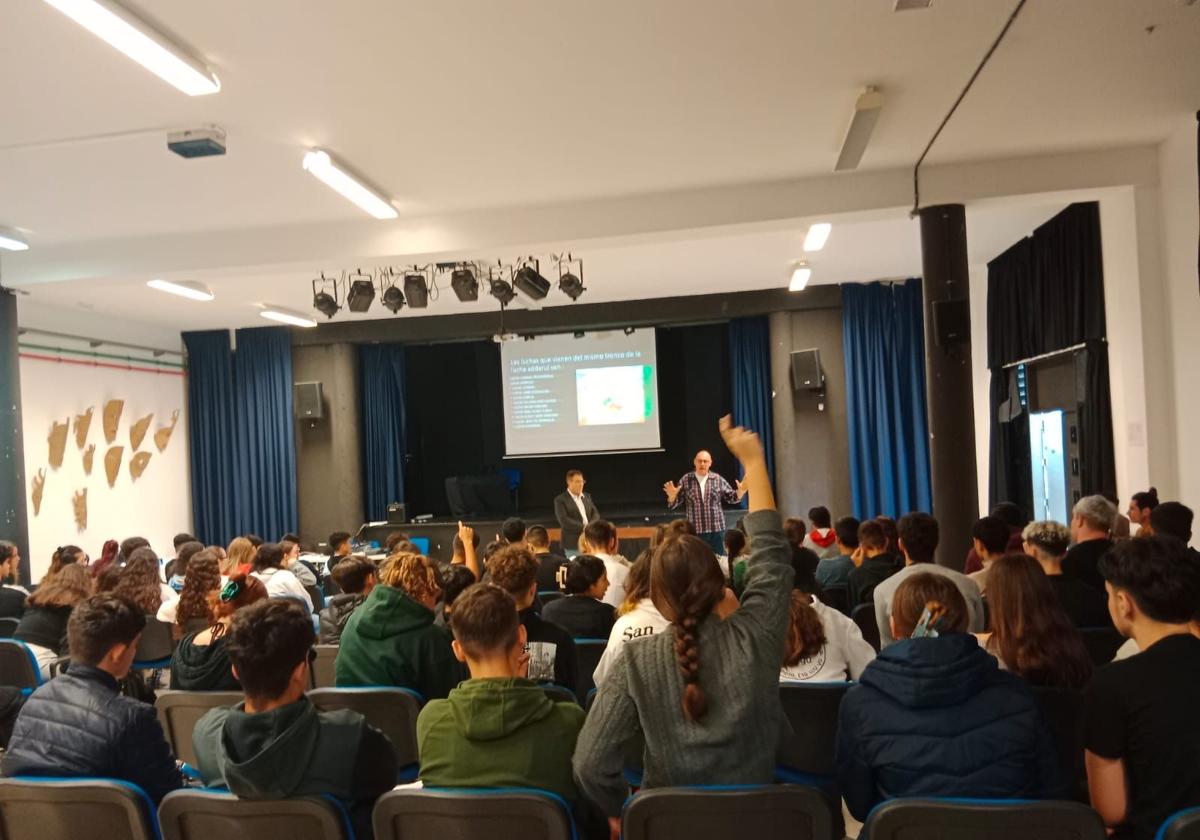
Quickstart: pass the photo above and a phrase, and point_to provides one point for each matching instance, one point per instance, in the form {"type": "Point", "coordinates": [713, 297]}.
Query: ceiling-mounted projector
{"type": "Point", "coordinates": [197, 142]}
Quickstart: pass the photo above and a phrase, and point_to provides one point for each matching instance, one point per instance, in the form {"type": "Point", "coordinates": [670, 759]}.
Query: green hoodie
{"type": "Point", "coordinates": [392, 640]}
{"type": "Point", "coordinates": [499, 733]}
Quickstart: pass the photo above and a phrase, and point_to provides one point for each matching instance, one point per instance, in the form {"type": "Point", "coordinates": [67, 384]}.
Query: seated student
{"type": "Point", "coordinates": [304, 573]}
{"type": "Point", "coordinates": [66, 555]}
{"type": "Point", "coordinates": [538, 540]}
{"type": "Point", "coordinates": [192, 610]}
{"type": "Point", "coordinates": [822, 645]}
{"type": "Point", "coordinates": [200, 661]}
{"type": "Point", "coordinates": [600, 540]}
{"type": "Point", "coordinates": [79, 724]}
{"type": "Point", "coordinates": [466, 550]}
{"type": "Point", "coordinates": [241, 556]}
{"type": "Point", "coordinates": [934, 715]}
{"type": "Point", "coordinates": [582, 613]}
{"type": "Point", "coordinates": [636, 618]}
{"type": "Point", "coordinates": [1031, 634]}
{"type": "Point", "coordinates": [1173, 519]}
{"type": "Point", "coordinates": [1047, 542]}
{"type": "Point", "coordinates": [1139, 719]}
{"type": "Point", "coordinates": [1141, 506]}
{"type": "Point", "coordinates": [736, 553]}
{"type": "Point", "coordinates": [271, 566]}
{"type": "Point", "coordinates": [822, 539]}
{"type": "Point", "coordinates": [496, 729]}
{"type": "Point", "coordinates": [552, 656]}
{"type": "Point", "coordinates": [795, 530]}
{"type": "Point", "coordinates": [179, 566]}
{"type": "Point", "coordinates": [835, 570]}
{"type": "Point", "coordinates": [108, 559]}
{"type": "Point", "coordinates": [1015, 520]}
{"type": "Point", "coordinates": [169, 571]}
{"type": "Point", "coordinates": [1091, 521]}
{"type": "Point", "coordinates": [140, 583]}
{"type": "Point", "coordinates": [878, 564]}
{"type": "Point", "coordinates": [392, 639]}
{"type": "Point", "coordinates": [47, 611]}
{"type": "Point", "coordinates": [707, 694]}
{"type": "Point", "coordinates": [892, 532]}
{"type": "Point", "coordinates": [512, 530]}
{"type": "Point", "coordinates": [453, 580]}
{"type": "Point", "coordinates": [12, 597]}
{"type": "Point", "coordinates": [989, 538]}
{"type": "Point", "coordinates": [339, 550]}
{"type": "Point", "coordinates": [355, 577]}
{"type": "Point", "coordinates": [918, 541]}
{"type": "Point", "coordinates": [275, 744]}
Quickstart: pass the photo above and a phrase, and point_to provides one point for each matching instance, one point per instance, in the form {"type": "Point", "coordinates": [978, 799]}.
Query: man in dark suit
{"type": "Point", "coordinates": [574, 509]}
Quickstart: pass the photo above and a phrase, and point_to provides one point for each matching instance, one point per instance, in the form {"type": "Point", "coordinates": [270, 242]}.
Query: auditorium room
{"type": "Point", "coordinates": [662, 421]}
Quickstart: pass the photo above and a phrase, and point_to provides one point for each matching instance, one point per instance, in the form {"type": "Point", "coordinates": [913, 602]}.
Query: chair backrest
{"type": "Point", "coordinates": [559, 694]}
{"type": "Point", "coordinates": [18, 666]}
{"type": "Point", "coordinates": [588, 653]}
{"type": "Point", "coordinates": [180, 711]}
{"type": "Point", "coordinates": [864, 616]}
{"type": "Point", "coordinates": [1182, 825]}
{"type": "Point", "coordinates": [156, 644]}
{"type": "Point", "coordinates": [1062, 710]}
{"type": "Point", "coordinates": [457, 814]}
{"type": "Point", "coordinates": [317, 595]}
{"type": "Point", "coordinates": [191, 814]}
{"type": "Point", "coordinates": [836, 597]}
{"type": "Point", "coordinates": [69, 809]}
{"type": "Point", "coordinates": [391, 710]}
{"type": "Point", "coordinates": [775, 812]}
{"type": "Point", "coordinates": [1101, 643]}
{"type": "Point", "coordinates": [194, 625]}
{"type": "Point", "coordinates": [324, 667]}
{"type": "Point", "coordinates": [812, 710]}
{"type": "Point", "coordinates": [8, 626]}
{"type": "Point", "coordinates": [548, 595]}
{"type": "Point", "coordinates": [982, 819]}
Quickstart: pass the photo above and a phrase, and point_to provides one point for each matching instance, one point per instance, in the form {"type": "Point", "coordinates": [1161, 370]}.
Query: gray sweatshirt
{"type": "Point", "coordinates": [737, 740]}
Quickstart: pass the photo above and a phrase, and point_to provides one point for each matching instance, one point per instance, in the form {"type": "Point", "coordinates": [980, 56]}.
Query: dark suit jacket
{"type": "Point", "coordinates": [567, 514]}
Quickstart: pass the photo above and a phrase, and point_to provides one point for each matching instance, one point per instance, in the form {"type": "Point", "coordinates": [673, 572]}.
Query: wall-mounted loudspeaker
{"type": "Point", "coordinates": [806, 370]}
{"type": "Point", "coordinates": [308, 400]}
{"type": "Point", "coordinates": [951, 322]}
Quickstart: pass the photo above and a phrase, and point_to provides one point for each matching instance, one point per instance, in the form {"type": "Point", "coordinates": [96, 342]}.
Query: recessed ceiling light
{"type": "Point", "coordinates": [10, 240]}
{"type": "Point", "coordinates": [121, 28]}
{"type": "Point", "coordinates": [866, 114]}
{"type": "Point", "coordinates": [800, 277]}
{"type": "Point", "coordinates": [286, 316]}
{"type": "Point", "coordinates": [909, 5]}
{"type": "Point", "coordinates": [814, 240]}
{"type": "Point", "coordinates": [183, 288]}
{"type": "Point", "coordinates": [339, 178]}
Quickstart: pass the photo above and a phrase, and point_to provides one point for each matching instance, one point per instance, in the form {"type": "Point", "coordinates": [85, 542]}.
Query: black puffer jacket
{"type": "Point", "coordinates": [78, 725]}
{"type": "Point", "coordinates": [335, 615]}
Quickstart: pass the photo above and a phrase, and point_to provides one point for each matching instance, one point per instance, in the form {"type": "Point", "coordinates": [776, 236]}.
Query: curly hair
{"type": "Point", "coordinates": [413, 575]}
{"type": "Point", "coordinates": [514, 569]}
{"type": "Point", "coordinates": [139, 581]}
{"type": "Point", "coordinates": [203, 576]}
{"type": "Point", "coordinates": [241, 590]}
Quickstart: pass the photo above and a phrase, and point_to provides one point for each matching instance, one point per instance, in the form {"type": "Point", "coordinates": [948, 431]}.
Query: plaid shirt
{"type": "Point", "coordinates": [705, 510]}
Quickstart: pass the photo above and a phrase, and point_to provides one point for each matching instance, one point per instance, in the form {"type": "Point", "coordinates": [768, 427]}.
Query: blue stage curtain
{"type": "Point", "coordinates": [883, 336]}
{"type": "Point", "coordinates": [750, 380]}
{"type": "Point", "coordinates": [211, 434]}
{"type": "Point", "coordinates": [382, 369]}
{"type": "Point", "coordinates": [264, 487]}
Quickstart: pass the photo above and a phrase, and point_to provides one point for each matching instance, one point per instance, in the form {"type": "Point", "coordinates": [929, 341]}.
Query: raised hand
{"type": "Point", "coordinates": [671, 490]}
{"type": "Point", "coordinates": [743, 443]}
{"type": "Point", "coordinates": [748, 449]}
{"type": "Point", "coordinates": [741, 488]}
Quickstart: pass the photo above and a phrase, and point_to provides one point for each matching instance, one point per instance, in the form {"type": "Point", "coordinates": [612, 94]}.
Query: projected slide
{"type": "Point", "coordinates": [595, 393]}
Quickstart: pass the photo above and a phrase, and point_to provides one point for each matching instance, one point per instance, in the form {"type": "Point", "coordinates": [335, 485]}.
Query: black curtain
{"type": "Point", "coordinates": [1046, 293]}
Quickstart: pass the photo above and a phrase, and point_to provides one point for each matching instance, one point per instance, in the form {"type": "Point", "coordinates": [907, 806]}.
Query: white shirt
{"type": "Point", "coordinates": [843, 656]}
{"type": "Point", "coordinates": [643, 620]}
{"type": "Point", "coordinates": [703, 479]}
{"type": "Point", "coordinates": [579, 504]}
{"type": "Point", "coordinates": [617, 568]}
{"type": "Point", "coordinates": [282, 583]}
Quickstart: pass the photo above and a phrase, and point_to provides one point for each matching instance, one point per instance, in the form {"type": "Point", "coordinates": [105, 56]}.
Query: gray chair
{"type": "Point", "coordinates": [18, 666]}
{"type": "Point", "coordinates": [8, 626]}
{"type": "Point", "coordinates": [588, 653]}
{"type": "Point", "coordinates": [981, 819]}
{"type": "Point", "coordinates": [193, 814]}
{"type": "Point", "coordinates": [391, 710]}
{"type": "Point", "coordinates": [179, 712]}
{"type": "Point", "coordinates": [559, 694]}
{"type": "Point", "coordinates": [1182, 825]}
{"type": "Point", "coordinates": [70, 809]}
{"type": "Point", "coordinates": [324, 667]}
{"type": "Point", "coordinates": [773, 812]}
{"type": "Point", "coordinates": [455, 814]}
{"type": "Point", "coordinates": [156, 645]}
{"type": "Point", "coordinates": [864, 616]}
{"type": "Point", "coordinates": [812, 710]}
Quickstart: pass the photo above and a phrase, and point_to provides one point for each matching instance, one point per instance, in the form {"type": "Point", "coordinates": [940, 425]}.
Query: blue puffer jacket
{"type": "Point", "coordinates": [937, 717]}
{"type": "Point", "coordinates": [79, 725]}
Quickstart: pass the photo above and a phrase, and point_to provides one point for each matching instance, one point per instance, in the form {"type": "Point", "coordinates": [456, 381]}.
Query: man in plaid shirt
{"type": "Point", "coordinates": [703, 492]}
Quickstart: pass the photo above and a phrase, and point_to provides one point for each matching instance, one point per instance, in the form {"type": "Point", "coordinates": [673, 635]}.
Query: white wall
{"type": "Point", "coordinates": [157, 506]}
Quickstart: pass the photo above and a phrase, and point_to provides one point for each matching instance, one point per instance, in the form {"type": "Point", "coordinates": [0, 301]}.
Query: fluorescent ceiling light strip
{"type": "Point", "coordinates": [814, 240]}
{"type": "Point", "coordinates": [11, 242]}
{"type": "Point", "coordinates": [862, 124]}
{"type": "Point", "coordinates": [183, 288]}
{"type": "Point", "coordinates": [122, 29]}
{"type": "Point", "coordinates": [338, 178]}
{"type": "Point", "coordinates": [800, 278]}
{"type": "Point", "coordinates": [287, 316]}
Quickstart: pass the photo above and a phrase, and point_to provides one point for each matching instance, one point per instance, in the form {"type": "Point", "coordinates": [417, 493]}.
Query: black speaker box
{"type": "Point", "coordinates": [951, 322]}
{"type": "Point", "coordinates": [806, 370]}
{"type": "Point", "coordinates": [396, 513]}
{"type": "Point", "coordinates": [308, 400]}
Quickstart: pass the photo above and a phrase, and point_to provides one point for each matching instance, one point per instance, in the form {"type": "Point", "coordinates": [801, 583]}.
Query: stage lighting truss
{"type": "Point", "coordinates": [328, 294]}
{"type": "Point", "coordinates": [570, 275]}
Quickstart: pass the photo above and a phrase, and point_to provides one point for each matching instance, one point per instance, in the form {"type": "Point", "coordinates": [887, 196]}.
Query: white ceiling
{"type": "Point", "coordinates": [466, 106]}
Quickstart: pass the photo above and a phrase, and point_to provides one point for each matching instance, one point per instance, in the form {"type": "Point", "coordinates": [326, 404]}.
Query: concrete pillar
{"type": "Point", "coordinates": [14, 524]}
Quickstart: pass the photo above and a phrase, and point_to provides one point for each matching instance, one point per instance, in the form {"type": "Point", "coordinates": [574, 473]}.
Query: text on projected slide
{"type": "Point", "coordinates": [616, 393]}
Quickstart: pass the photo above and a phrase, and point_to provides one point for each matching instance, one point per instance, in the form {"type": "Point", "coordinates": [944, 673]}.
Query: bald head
{"type": "Point", "coordinates": [702, 462]}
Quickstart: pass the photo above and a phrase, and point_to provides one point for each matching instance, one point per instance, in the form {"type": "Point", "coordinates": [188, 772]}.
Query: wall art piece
{"type": "Point", "coordinates": [137, 464]}
{"type": "Point", "coordinates": [112, 464]}
{"type": "Point", "coordinates": [88, 455]}
{"type": "Point", "coordinates": [39, 487]}
{"type": "Point", "coordinates": [79, 502]}
{"type": "Point", "coordinates": [112, 419]}
{"type": "Point", "coordinates": [137, 432]}
{"type": "Point", "coordinates": [163, 436]}
{"type": "Point", "coordinates": [58, 442]}
{"type": "Point", "coordinates": [83, 422]}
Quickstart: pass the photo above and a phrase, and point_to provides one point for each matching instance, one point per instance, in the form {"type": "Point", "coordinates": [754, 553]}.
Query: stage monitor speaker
{"type": "Point", "coordinates": [951, 322]}
{"type": "Point", "coordinates": [396, 513]}
{"type": "Point", "coordinates": [806, 370]}
{"type": "Point", "coordinates": [309, 403]}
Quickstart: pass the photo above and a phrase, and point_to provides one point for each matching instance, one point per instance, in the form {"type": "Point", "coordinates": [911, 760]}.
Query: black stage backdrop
{"type": "Point", "coordinates": [454, 409]}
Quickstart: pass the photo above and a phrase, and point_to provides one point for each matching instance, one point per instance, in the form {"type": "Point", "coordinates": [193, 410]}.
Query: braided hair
{"type": "Point", "coordinates": [686, 583]}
